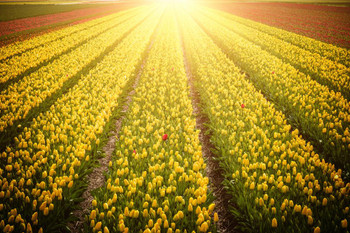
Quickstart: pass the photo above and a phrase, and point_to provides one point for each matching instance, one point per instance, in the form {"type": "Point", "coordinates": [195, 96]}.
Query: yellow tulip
{"type": "Point", "coordinates": [344, 223]}
{"type": "Point", "coordinates": [324, 201]}
{"type": "Point", "coordinates": [317, 230]}
{"type": "Point", "coordinates": [98, 226]}
{"type": "Point", "coordinates": [216, 217]}
{"type": "Point", "coordinates": [310, 220]}
{"type": "Point", "coordinates": [274, 223]}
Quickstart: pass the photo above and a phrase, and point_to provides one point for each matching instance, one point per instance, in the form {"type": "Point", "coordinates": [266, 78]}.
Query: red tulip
{"type": "Point", "coordinates": [242, 106]}
{"type": "Point", "coordinates": [134, 151]}
{"type": "Point", "coordinates": [273, 72]}
{"type": "Point", "coordinates": [165, 136]}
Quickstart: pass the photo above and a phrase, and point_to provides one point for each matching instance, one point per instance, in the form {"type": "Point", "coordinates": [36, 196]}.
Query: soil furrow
{"type": "Point", "coordinates": [226, 222]}
{"type": "Point", "coordinates": [96, 179]}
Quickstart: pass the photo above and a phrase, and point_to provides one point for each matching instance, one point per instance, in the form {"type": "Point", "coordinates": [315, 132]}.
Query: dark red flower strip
{"type": "Point", "coordinates": [329, 23]}
{"type": "Point", "coordinates": [18, 25]}
{"type": "Point", "coordinates": [27, 34]}
{"type": "Point", "coordinates": [30, 34]}
{"type": "Point", "coordinates": [319, 32]}
{"type": "Point", "coordinates": [326, 23]}
{"type": "Point", "coordinates": [285, 10]}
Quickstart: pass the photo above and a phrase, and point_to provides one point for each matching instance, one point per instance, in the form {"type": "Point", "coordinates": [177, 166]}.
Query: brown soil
{"type": "Point", "coordinates": [96, 179]}
{"type": "Point", "coordinates": [226, 222]}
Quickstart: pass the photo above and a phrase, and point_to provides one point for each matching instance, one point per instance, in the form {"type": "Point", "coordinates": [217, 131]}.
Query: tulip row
{"type": "Point", "coordinates": [335, 75]}
{"type": "Point", "coordinates": [156, 180]}
{"type": "Point", "coordinates": [278, 183]}
{"type": "Point", "coordinates": [19, 98]}
{"type": "Point", "coordinates": [42, 175]}
{"type": "Point", "coordinates": [320, 113]}
{"type": "Point", "coordinates": [22, 46]}
{"type": "Point", "coordinates": [17, 65]}
{"type": "Point", "coordinates": [332, 52]}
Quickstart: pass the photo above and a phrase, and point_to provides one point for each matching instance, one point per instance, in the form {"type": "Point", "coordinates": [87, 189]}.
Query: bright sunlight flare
{"type": "Point", "coordinates": [174, 116]}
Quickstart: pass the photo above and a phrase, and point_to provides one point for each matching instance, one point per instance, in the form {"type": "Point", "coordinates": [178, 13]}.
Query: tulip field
{"type": "Point", "coordinates": [215, 122]}
{"type": "Point", "coordinates": [326, 23]}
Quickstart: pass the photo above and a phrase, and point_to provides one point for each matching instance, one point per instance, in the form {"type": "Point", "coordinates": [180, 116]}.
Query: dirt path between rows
{"type": "Point", "coordinates": [226, 222]}
{"type": "Point", "coordinates": [97, 179]}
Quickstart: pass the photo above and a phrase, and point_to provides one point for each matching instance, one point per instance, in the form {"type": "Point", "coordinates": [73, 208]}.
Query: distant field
{"type": "Point", "coordinates": [176, 117]}
{"type": "Point", "coordinates": [329, 24]}
{"type": "Point", "coordinates": [341, 3]}
{"type": "Point", "coordinates": [294, 1]}
{"type": "Point", "coordinates": [23, 28]}
{"type": "Point", "coordinates": [11, 12]}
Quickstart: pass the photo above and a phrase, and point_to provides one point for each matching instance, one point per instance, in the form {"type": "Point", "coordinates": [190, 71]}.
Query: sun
{"type": "Point", "coordinates": [175, 1]}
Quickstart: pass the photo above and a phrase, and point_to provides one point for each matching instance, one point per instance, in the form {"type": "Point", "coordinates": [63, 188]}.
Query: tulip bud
{"type": "Point", "coordinates": [98, 226]}
{"type": "Point", "coordinates": [274, 223]}
{"type": "Point", "coordinates": [94, 203]}
{"type": "Point", "coordinates": [344, 223]}
{"type": "Point", "coordinates": [317, 230]}
{"type": "Point", "coordinates": [216, 217]}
